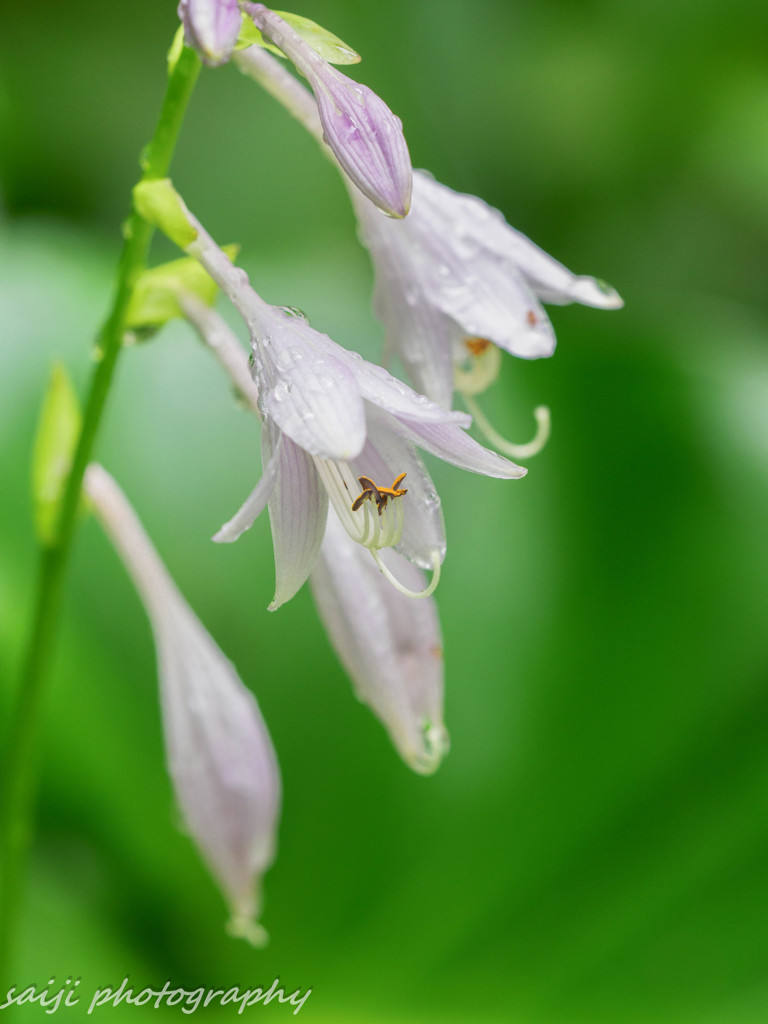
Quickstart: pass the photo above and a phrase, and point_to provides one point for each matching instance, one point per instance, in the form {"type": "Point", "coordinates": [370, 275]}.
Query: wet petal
{"type": "Point", "coordinates": [307, 389]}
{"type": "Point", "coordinates": [390, 645]}
{"type": "Point", "coordinates": [452, 444]}
{"type": "Point", "coordinates": [298, 510]}
{"type": "Point", "coordinates": [220, 757]}
{"type": "Point", "coordinates": [380, 388]}
{"type": "Point", "coordinates": [474, 225]}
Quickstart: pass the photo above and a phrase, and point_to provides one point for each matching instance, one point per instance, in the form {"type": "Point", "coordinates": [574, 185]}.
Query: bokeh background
{"type": "Point", "coordinates": [595, 847]}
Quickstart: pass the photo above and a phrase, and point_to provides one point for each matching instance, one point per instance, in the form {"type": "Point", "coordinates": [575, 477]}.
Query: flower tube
{"type": "Point", "coordinates": [390, 647]}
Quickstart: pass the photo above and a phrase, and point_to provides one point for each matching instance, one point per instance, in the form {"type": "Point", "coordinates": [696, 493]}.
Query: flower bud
{"type": "Point", "coordinates": [220, 757]}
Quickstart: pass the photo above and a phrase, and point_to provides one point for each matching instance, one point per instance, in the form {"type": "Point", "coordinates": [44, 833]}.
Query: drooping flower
{"type": "Point", "coordinates": [335, 428]}
{"type": "Point", "coordinates": [220, 757]}
{"type": "Point", "coordinates": [453, 280]}
{"type": "Point", "coordinates": [455, 270]}
{"type": "Point", "coordinates": [211, 27]}
{"type": "Point", "coordinates": [363, 133]}
{"type": "Point", "coordinates": [390, 646]}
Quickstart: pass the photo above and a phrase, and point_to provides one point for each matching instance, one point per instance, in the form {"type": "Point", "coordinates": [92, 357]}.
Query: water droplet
{"type": "Point", "coordinates": [281, 390]}
{"type": "Point", "coordinates": [294, 311]}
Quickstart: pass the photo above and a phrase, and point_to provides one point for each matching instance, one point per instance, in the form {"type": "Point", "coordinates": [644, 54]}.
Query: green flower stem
{"type": "Point", "coordinates": [19, 765]}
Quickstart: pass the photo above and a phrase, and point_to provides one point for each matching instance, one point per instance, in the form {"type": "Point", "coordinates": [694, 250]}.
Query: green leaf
{"type": "Point", "coordinates": [155, 298]}
{"type": "Point", "coordinates": [158, 202]}
{"type": "Point", "coordinates": [57, 434]}
{"type": "Point", "coordinates": [329, 46]}
{"type": "Point", "coordinates": [251, 36]}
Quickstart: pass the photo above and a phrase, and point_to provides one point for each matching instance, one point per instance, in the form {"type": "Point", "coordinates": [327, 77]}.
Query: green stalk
{"type": "Point", "coordinates": [19, 763]}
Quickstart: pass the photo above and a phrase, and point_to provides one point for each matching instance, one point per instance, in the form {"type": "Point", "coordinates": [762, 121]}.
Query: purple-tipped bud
{"type": "Point", "coordinates": [365, 136]}
{"type": "Point", "coordinates": [211, 27]}
{"type": "Point", "coordinates": [220, 757]}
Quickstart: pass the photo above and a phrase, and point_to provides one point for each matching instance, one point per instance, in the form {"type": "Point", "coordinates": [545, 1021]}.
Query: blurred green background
{"type": "Point", "coordinates": [595, 847]}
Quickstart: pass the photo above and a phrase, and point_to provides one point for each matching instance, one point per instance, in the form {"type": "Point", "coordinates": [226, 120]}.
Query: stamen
{"type": "Point", "coordinates": [476, 346]}
{"type": "Point", "coordinates": [382, 529]}
{"type": "Point", "coordinates": [517, 451]}
{"type": "Point", "coordinates": [380, 494]}
{"type": "Point", "coordinates": [416, 594]}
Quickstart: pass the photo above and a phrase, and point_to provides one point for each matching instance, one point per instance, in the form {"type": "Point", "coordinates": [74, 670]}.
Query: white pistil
{"type": "Point", "coordinates": [428, 590]}
{"type": "Point", "coordinates": [517, 451]}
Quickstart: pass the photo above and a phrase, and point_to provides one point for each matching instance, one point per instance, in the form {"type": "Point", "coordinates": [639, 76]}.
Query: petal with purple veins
{"type": "Point", "coordinates": [298, 510]}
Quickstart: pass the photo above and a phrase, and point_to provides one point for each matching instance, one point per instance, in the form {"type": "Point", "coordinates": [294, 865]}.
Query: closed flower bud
{"type": "Point", "coordinates": [220, 757]}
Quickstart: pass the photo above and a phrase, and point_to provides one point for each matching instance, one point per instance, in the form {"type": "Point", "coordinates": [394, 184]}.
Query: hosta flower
{"type": "Point", "coordinates": [335, 428]}
{"type": "Point", "coordinates": [220, 757]}
{"type": "Point", "coordinates": [456, 271]}
{"type": "Point", "coordinates": [390, 646]}
{"type": "Point", "coordinates": [452, 280]}
{"type": "Point", "coordinates": [211, 27]}
{"type": "Point", "coordinates": [365, 136]}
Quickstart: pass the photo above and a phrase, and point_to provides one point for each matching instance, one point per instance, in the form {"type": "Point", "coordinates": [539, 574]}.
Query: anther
{"type": "Point", "coordinates": [380, 495]}
{"type": "Point", "coordinates": [476, 345]}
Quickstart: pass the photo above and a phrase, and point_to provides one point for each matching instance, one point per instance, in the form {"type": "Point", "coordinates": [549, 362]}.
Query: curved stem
{"type": "Point", "coordinates": [18, 776]}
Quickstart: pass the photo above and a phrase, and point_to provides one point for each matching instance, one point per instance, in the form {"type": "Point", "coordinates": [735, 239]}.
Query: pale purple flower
{"type": "Point", "coordinates": [365, 136]}
{"type": "Point", "coordinates": [331, 418]}
{"type": "Point", "coordinates": [453, 270]}
{"type": "Point", "coordinates": [211, 27]}
{"type": "Point", "coordinates": [220, 757]}
{"type": "Point", "coordinates": [390, 646]}
{"type": "Point", "coordinates": [452, 280]}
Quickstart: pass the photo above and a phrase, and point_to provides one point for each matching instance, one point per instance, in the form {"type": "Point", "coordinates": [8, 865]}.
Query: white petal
{"type": "Point", "coordinates": [389, 644]}
{"type": "Point", "coordinates": [298, 510]}
{"type": "Point", "coordinates": [309, 392]}
{"type": "Point", "coordinates": [479, 229]}
{"type": "Point", "coordinates": [452, 444]}
{"type": "Point", "coordinates": [220, 756]}
{"type": "Point", "coordinates": [256, 501]}
{"type": "Point", "coordinates": [380, 388]}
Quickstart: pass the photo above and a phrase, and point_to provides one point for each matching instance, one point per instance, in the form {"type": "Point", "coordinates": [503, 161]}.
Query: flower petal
{"type": "Point", "coordinates": [390, 645]}
{"type": "Point", "coordinates": [219, 753]}
{"type": "Point", "coordinates": [477, 226]}
{"type": "Point", "coordinates": [256, 501]}
{"type": "Point", "coordinates": [307, 388]}
{"type": "Point", "coordinates": [452, 444]}
{"type": "Point", "coordinates": [211, 27]}
{"type": "Point", "coordinates": [298, 510]}
{"type": "Point", "coordinates": [380, 388]}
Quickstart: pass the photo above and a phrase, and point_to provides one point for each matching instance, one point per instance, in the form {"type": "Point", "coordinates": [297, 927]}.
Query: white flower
{"type": "Point", "coordinates": [220, 757]}
{"type": "Point", "coordinates": [337, 427]}
{"type": "Point", "coordinates": [455, 270]}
